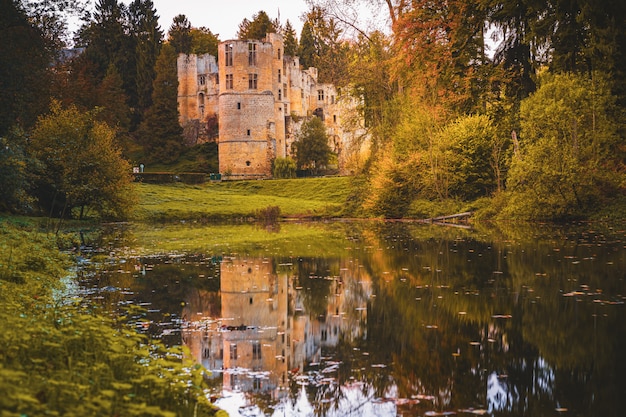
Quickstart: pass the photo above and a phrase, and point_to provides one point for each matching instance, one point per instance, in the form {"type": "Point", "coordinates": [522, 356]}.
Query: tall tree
{"type": "Point", "coordinates": [160, 131]}
{"type": "Point", "coordinates": [307, 49]}
{"type": "Point", "coordinates": [112, 101]}
{"type": "Point", "coordinates": [24, 69]}
{"type": "Point", "coordinates": [257, 28]}
{"type": "Point", "coordinates": [179, 35]}
{"type": "Point", "coordinates": [144, 27]}
{"type": "Point", "coordinates": [290, 40]}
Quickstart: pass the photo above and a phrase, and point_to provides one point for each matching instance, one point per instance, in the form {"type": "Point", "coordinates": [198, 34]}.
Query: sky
{"type": "Point", "coordinates": [222, 17]}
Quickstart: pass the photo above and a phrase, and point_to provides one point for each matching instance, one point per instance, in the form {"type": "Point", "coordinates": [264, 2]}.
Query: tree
{"type": "Point", "coordinates": [24, 69]}
{"type": "Point", "coordinates": [147, 34]}
{"type": "Point", "coordinates": [258, 28]}
{"type": "Point", "coordinates": [81, 165]}
{"type": "Point", "coordinates": [284, 168]}
{"type": "Point", "coordinates": [306, 49]}
{"type": "Point", "coordinates": [290, 40]}
{"type": "Point", "coordinates": [179, 35]}
{"type": "Point", "coordinates": [568, 158]}
{"type": "Point", "coordinates": [15, 165]}
{"type": "Point", "coordinates": [160, 131]}
{"type": "Point", "coordinates": [312, 151]}
{"type": "Point", "coordinates": [203, 41]}
{"type": "Point", "coordinates": [112, 101]}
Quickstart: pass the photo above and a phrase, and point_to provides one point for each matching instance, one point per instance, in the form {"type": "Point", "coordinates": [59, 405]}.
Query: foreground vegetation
{"type": "Point", "coordinates": [59, 357]}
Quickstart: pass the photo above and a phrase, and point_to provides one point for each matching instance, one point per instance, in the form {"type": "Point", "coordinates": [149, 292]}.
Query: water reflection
{"type": "Point", "coordinates": [403, 320]}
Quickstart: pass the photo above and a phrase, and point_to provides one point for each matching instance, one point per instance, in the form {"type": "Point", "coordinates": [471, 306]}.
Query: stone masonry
{"type": "Point", "coordinates": [259, 97]}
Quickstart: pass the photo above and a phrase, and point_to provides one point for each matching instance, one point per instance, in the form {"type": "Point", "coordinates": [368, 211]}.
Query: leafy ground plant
{"type": "Point", "coordinates": [60, 357]}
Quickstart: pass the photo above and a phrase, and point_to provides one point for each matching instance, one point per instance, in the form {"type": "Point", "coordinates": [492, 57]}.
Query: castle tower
{"type": "Point", "coordinates": [251, 108]}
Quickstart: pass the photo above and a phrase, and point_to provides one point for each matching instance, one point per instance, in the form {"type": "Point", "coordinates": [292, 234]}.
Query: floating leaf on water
{"type": "Point", "coordinates": [501, 316]}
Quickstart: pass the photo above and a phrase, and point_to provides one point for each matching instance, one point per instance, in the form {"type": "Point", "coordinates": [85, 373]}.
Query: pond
{"type": "Point", "coordinates": [383, 319]}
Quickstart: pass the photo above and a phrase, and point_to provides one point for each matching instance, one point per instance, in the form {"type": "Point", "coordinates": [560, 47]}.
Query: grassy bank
{"type": "Point", "coordinates": [311, 197]}
{"type": "Point", "coordinates": [59, 357]}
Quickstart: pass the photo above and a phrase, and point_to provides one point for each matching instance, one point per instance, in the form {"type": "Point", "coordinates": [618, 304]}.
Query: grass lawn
{"type": "Point", "coordinates": [310, 197]}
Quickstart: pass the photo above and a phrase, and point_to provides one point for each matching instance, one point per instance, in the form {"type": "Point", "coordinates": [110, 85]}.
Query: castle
{"type": "Point", "coordinates": [253, 100]}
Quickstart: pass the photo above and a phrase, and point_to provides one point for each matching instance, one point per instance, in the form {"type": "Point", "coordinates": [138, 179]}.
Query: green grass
{"type": "Point", "coordinates": [311, 197]}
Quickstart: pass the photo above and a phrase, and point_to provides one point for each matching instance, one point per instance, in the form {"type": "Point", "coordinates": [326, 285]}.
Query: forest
{"type": "Point", "coordinates": [516, 108]}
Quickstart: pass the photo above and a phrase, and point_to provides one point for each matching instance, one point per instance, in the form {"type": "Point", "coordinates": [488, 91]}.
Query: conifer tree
{"type": "Point", "coordinates": [160, 131]}
{"type": "Point", "coordinates": [307, 48]}
{"type": "Point", "coordinates": [179, 35]}
{"type": "Point", "coordinates": [113, 101]}
{"type": "Point", "coordinates": [260, 26]}
{"type": "Point", "coordinates": [290, 40]}
{"type": "Point", "coordinates": [148, 38]}
{"type": "Point", "coordinates": [24, 63]}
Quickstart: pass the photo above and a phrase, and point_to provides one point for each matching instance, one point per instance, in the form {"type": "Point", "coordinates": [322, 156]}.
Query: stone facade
{"type": "Point", "coordinates": [259, 97]}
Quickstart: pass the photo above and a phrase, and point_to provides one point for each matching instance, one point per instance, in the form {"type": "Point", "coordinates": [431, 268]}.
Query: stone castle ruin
{"type": "Point", "coordinates": [253, 99]}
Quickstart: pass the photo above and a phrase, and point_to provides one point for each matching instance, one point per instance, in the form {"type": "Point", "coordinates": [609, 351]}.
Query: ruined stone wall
{"type": "Point", "coordinates": [198, 91]}
{"type": "Point", "coordinates": [260, 99]}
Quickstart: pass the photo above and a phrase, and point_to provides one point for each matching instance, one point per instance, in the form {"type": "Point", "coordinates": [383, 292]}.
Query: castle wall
{"type": "Point", "coordinates": [260, 98]}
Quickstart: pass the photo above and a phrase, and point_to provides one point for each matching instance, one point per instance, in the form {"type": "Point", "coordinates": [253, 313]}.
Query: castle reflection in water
{"type": "Point", "coordinates": [265, 325]}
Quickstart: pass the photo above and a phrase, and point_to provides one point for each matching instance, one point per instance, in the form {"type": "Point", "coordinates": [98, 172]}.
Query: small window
{"type": "Point", "coordinates": [334, 118]}
{"type": "Point", "coordinates": [238, 106]}
{"type": "Point", "coordinates": [229, 81]}
{"type": "Point", "coordinates": [233, 351]}
{"type": "Point", "coordinates": [202, 80]}
{"type": "Point", "coordinates": [280, 94]}
{"type": "Point", "coordinates": [256, 350]}
{"type": "Point", "coordinates": [332, 99]}
{"type": "Point", "coordinates": [278, 53]}
{"type": "Point", "coordinates": [320, 95]}
{"type": "Point", "coordinates": [248, 133]}
{"type": "Point", "coordinates": [252, 81]}
{"type": "Point", "coordinates": [252, 54]}
{"type": "Point", "coordinates": [228, 55]}
{"type": "Point", "coordinates": [279, 76]}
{"type": "Point", "coordinates": [248, 164]}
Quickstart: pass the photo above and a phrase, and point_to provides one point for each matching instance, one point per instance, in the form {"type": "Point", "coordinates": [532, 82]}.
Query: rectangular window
{"type": "Point", "coordinates": [228, 55]}
{"type": "Point", "coordinates": [229, 81]}
{"type": "Point", "coordinates": [201, 80]}
{"type": "Point", "coordinates": [252, 54]}
{"type": "Point", "coordinates": [238, 106]}
{"type": "Point", "coordinates": [278, 53]}
{"type": "Point", "coordinates": [256, 350]}
{"type": "Point", "coordinates": [320, 95]}
{"type": "Point", "coordinates": [252, 81]}
{"type": "Point", "coordinates": [280, 95]}
{"type": "Point", "coordinates": [233, 351]}
{"type": "Point", "coordinates": [278, 75]}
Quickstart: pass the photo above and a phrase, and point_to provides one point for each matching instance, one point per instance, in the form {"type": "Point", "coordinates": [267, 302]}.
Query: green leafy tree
{"type": "Point", "coordinates": [24, 69]}
{"type": "Point", "coordinates": [203, 41]}
{"type": "Point", "coordinates": [477, 156]}
{"type": "Point", "coordinates": [179, 35]}
{"type": "Point", "coordinates": [284, 168]}
{"type": "Point", "coordinates": [568, 158]}
{"type": "Point", "coordinates": [312, 151]}
{"type": "Point", "coordinates": [290, 40]}
{"type": "Point", "coordinates": [82, 166]}
{"type": "Point", "coordinates": [160, 131]}
{"type": "Point", "coordinates": [258, 28]}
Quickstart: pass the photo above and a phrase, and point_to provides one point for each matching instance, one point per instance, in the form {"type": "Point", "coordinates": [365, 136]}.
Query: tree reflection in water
{"type": "Point", "coordinates": [404, 320]}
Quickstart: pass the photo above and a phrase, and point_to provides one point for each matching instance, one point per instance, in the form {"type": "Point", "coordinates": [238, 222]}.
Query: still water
{"type": "Point", "coordinates": [385, 319]}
